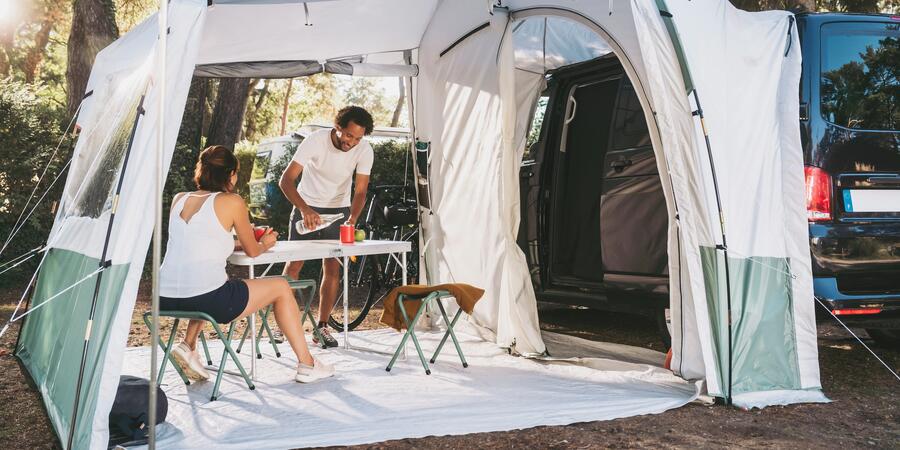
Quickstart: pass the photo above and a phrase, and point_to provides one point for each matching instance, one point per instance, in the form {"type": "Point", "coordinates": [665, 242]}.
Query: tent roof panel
{"type": "Point", "coordinates": [332, 29]}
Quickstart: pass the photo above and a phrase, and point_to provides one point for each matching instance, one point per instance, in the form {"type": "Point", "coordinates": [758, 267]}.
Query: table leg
{"type": "Point", "coordinates": [403, 258]}
{"type": "Point", "coordinates": [346, 301]}
{"type": "Point", "coordinates": [252, 325]}
{"type": "Point", "coordinates": [403, 262]}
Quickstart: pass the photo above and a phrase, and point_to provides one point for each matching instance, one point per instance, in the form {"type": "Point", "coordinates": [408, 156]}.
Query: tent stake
{"type": "Point", "coordinates": [105, 264]}
{"type": "Point", "coordinates": [724, 246]}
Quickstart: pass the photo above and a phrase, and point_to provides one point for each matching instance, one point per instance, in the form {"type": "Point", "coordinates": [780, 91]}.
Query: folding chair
{"type": "Point", "coordinates": [225, 338]}
{"type": "Point", "coordinates": [433, 297]}
{"type": "Point", "coordinates": [299, 286]}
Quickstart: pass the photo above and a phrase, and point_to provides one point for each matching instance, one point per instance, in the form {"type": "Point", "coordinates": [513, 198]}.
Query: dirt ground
{"type": "Point", "coordinates": [865, 412]}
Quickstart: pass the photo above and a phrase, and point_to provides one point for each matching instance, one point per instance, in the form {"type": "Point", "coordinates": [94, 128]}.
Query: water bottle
{"type": "Point", "coordinates": [327, 219]}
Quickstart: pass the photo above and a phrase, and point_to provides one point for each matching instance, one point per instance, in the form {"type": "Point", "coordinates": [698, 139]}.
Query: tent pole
{"type": "Point", "coordinates": [411, 112]}
{"type": "Point", "coordinates": [157, 227]}
{"type": "Point", "coordinates": [104, 264]}
{"type": "Point", "coordinates": [724, 246]}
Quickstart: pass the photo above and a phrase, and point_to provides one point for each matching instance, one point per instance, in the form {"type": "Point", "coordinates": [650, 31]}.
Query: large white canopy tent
{"type": "Point", "coordinates": [742, 308]}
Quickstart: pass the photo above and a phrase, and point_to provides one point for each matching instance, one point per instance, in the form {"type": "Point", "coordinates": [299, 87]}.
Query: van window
{"type": "Point", "coordinates": [629, 126]}
{"type": "Point", "coordinates": [261, 165]}
{"type": "Point", "coordinates": [859, 86]}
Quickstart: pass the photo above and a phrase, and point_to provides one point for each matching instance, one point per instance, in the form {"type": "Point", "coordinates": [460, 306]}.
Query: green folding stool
{"type": "Point", "coordinates": [433, 297]}
{"type": "Point", "coordinates": [299, 286]}
{"type": "Point", "coordinates": [225, 338]}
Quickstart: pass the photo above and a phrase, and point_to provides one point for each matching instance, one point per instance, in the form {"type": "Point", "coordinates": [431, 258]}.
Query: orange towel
{"type": "Point", "coordinates": [466, 297]}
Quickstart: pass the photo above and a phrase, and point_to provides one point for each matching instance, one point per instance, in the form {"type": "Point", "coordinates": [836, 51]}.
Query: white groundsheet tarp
{"type": "Point", "coordinates": [365, 404]}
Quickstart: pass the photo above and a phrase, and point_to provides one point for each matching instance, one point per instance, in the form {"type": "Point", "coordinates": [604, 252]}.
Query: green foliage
{"type": "Point", "coordinates": [279, 208]}
{"type": "Point", "coordinates": [246, 154]}
{"type": "Point", "coordinates": [29, 131]}
{"type": "Point", "coordinates": [364, 92]}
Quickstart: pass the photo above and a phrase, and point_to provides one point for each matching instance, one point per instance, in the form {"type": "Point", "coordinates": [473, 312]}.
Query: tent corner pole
{"type": "Point", "coordinates": [411, 112]}
{"type": "Point", "coordinates": [157, 226]}
{"type": "Point", "coordinates": [104, 264]}
{"type": "Point", "coordinates": [723, 247]}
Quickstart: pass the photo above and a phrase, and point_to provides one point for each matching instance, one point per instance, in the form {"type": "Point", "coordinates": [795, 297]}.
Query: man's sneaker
{"type": "Point", "coordinates": [189, 361]}
{"type": "Point", "coordinates": [277, 336]}
{"type": "Point", "coordinates": [316, 372]}
{"type": "Point", "coordinates": [330, 341]}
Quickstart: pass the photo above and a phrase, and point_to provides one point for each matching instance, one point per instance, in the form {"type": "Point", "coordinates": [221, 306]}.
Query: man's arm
{"type": "Point", "coordinates": [359, 197]}
{"type": "Point", "coordinates": [288, 185]}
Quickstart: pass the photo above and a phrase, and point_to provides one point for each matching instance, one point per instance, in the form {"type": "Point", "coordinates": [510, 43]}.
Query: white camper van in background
{"type": "Point", "coordinates": [264, 190]}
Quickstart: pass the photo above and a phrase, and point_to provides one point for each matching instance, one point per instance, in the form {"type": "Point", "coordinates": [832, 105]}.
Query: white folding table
{"type": "Point", "coordinates": [286, 251]}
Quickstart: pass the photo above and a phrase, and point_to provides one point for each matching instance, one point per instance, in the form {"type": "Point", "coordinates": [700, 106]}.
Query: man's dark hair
{"type": "Point", "coordinates": [356, 115]}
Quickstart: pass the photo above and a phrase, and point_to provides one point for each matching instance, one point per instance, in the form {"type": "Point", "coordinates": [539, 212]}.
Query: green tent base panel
{"type": "Point", "coordinates": [764, 345]}
{"type": "Point", "coordinates": [52, 337]}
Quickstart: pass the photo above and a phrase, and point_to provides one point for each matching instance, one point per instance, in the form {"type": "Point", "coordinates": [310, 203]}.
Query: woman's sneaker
{"type": "Point", "coordinates": [189, 361]}
{"type": "Point", "coordinates": [316, 372]}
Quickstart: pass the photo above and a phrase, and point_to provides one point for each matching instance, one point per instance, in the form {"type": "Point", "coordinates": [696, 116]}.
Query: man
{"type": "Point", "coordinates": [325, 163]}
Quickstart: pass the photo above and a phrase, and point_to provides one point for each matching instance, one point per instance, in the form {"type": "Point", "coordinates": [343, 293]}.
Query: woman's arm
{"type": "Point", "coordinates": [237, 210]}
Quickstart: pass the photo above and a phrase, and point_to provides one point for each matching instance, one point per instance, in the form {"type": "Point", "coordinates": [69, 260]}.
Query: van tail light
{"type": "Point", "coordinates": [856, 311]}
{"type": "Point", "coordinates": [818, 194]}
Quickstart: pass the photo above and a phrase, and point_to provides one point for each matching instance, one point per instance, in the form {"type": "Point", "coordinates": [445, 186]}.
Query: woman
{"type": "Point", "coordinates": [193, 278]}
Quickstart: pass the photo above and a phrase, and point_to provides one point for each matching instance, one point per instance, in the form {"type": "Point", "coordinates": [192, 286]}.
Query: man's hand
{"type": "Point", "coordinates": [311, 219]}
{"type": "Point", "coordinates": [352, 220]}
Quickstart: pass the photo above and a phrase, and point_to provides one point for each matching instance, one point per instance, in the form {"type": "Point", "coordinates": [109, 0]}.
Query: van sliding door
{"type": "Point", "coordinates": [584, 141]}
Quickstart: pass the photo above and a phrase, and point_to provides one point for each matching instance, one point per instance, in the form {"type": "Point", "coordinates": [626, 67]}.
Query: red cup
{"type": "Point", "coordinates": [347, 234]}
{"type": "Point", "coordinates": [258, 232]}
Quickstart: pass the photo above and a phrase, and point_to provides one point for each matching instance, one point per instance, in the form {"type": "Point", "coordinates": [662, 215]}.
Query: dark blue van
{"type": "Point", "coordinates": [850, 127]}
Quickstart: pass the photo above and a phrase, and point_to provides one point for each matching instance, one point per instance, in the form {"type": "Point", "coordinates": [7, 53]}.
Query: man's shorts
{"type": "Point", "coordinates": [333, 231]}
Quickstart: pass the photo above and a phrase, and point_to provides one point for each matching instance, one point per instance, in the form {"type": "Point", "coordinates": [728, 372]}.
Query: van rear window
{"type": "Point", "coordinates": [859, 70]}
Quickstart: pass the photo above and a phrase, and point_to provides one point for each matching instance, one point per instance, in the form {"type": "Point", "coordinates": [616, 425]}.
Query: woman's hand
{"type": "Point", "coordinates": [270, 238]}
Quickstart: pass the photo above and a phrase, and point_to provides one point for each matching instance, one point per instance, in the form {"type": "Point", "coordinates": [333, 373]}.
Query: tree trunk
{"type": "Point", "coordinates": [6, 46]}
{"type": "Point", "coordinates": [228, 115]}
{"type": "Point", "coordinates": [36, 54]}
{"type": "Point", "coordinates": [93, 27]}
{"type": "Point", "coordinates": [253, 116]}
{"type": "Point", "coordinates": [284, 111]}
{"type": "Point", "coordinates": [395, 119]}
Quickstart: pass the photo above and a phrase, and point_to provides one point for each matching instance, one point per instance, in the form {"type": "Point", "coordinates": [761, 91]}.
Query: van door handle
{"type": "Point", "coordinates": [619, 165]}
{"type": "Point", "coordinates": [574, 108]}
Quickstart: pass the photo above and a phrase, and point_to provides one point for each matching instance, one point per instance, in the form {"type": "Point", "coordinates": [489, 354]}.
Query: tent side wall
{"type": "Point", "coordinates": [49, 337]}
{"type": "Point", "coordinates": [747, 94]}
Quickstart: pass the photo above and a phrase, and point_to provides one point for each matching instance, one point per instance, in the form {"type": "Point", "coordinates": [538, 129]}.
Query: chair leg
{"type": "Point", "coordinates": [205, 348]}
{"type": "Point", "coordinates": [226, 341]}
{"type": "Point", "coordinates": [265, 326]}
{"type": "Point", "coordinates": [450, 325]}
{"type": "Point", "coordinates": [411, 327]}
{"type": "Point", "coordinates": [167, 355]}
{"type": "Point", "coordinates": [244, 336]}
{"type": "Point", "coordinates": [234, 357]}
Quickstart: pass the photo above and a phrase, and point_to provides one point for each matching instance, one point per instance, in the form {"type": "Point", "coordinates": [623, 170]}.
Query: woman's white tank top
{"type": "Point", "coordinates": [196, 252]}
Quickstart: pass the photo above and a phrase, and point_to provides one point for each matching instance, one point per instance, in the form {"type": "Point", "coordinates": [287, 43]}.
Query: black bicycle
{"type": "Point", "coordinates": [391, 214]}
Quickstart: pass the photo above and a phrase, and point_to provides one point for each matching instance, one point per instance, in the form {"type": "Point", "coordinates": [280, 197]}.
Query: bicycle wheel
{"type": "Point", "coordinates": [390, 272]}
{"type": "Point", "coordinates": [362, 273]}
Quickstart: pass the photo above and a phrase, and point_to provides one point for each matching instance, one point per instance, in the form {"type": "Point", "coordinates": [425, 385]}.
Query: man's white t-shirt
{"type": "Point", "coordinates": [327, 174]}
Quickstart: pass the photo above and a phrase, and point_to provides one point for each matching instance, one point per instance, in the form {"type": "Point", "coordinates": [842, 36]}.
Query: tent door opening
{"type": "Point", "coordinates": [603, 210]}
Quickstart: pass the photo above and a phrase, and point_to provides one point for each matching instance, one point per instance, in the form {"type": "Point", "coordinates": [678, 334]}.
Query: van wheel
{"type": "Point", "coordinates": [663, 328]}
{"type": "Point", "coordinates": [885, 338]}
